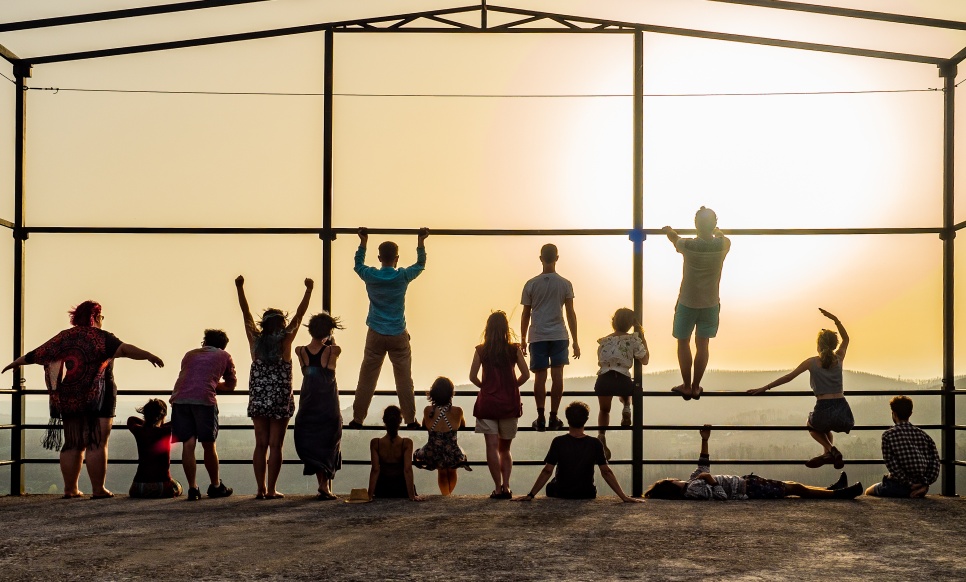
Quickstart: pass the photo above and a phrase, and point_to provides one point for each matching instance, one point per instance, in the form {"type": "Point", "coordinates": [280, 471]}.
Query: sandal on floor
{"type": "Point", "coordinates": [325, 497]}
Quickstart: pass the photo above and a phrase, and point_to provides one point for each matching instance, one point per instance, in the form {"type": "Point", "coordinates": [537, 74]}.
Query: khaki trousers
{"type": "Point", "coordinates": [401, 357]}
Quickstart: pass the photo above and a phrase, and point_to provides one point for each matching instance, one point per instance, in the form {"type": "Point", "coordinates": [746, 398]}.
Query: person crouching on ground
{"type": "Point", "coordinates": [574, 455]}
{"type": "Point", "coordinates": [153, 436]}
{"type": "Point", "coordinates": [910, 455]}
{"type": "Point", "coordinates": [205, 372]}
{"type": "Point", "coordinates": [703, 485]}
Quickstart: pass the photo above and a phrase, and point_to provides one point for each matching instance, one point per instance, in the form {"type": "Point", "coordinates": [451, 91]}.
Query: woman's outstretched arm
{"type": "Point", "coordinates": [293, 326]}
{"type": "Point", "coordinates": [844, 346]}
{"type": "Point", "coordinates": [21, 361]}
{"type": "Point", "coordinates": [783, 380]}
{"type": "Point", "coordinates": [135, 353]}
{"type": "Point", "coordinates": [246, 311]}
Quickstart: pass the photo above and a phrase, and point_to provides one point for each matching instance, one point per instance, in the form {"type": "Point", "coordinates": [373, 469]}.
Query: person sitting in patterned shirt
{"type": "Point", "coordinates": [705, 486]}
{"type": "Point", "coordinates": [910, 455]}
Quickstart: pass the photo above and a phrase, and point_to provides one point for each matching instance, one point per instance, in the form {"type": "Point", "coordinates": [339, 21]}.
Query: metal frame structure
{"type": "Point", "coordinates": [521, 21]}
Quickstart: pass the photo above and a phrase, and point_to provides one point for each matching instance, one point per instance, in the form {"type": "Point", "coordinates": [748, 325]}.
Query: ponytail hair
{"type": "Point", "coordinates": [392, 418]}
{"type": "Point", "coordinates": [828, 340]}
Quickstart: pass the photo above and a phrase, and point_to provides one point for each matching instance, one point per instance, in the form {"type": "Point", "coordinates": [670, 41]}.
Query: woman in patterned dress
{"type": "Point", "coordinates": [270, 400]}
{"type": "Point", "coordinates": [442, 453]}
{"type": "Point", "coordinates": [79, 371]}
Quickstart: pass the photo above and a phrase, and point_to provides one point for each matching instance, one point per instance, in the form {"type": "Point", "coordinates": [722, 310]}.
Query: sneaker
{"type": "Point", "coordinates": [555, 423]}
{"type": "Point", "coordinates": [540, 424]}
{"type": "Point", "coordinates": [850, 492]}
{"type": "Point", "coordinates": [842, 483]}
{"type": "Point", "coordinates": [219, 491]}
{"type": "Point", "coordinates": [194, 493]}
{"type": "Point", "coordinates": [414, 425]}
{"type": "Point", "coordinates": [603, 441]}
{"type": "Point", "coordinates": [355, 425]}
{"type": "Point", "coordinates": [837, 461]}
{"type": "Point", "coordinates": [626, 417]}
{"type": "Point", "coordinates": [819, 461]}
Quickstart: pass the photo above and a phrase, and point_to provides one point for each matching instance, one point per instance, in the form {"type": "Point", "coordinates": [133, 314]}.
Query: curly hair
{"type": "Point", "coordinates": [154, 410]}
{"type": "Point", "coordinates": [322, 324]}
{"type": "Point", "coordinates": [85, 314]}
{"type": "Point", "coordinates": [441, 392]}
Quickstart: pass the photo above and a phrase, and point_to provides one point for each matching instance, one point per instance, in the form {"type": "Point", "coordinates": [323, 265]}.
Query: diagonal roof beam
{"type": "Point", "coordinates": [228, 38]}
{"type": "Point", "coordinates": [120, 14]}
{"type": "Point", "coordinates": [810, 46]}
{"type": "Point", "coordinates": [850, 13]}
{"type": "Point", "coordinates": [957, 58]}
{"type": "Point", "coordinates": [8, 55]}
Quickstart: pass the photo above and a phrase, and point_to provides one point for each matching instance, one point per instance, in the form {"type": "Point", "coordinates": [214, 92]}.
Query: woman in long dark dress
{"type": "Point", "coordinates": [79, 371]}
{"type": "Point", "coordinates": [318, 424]}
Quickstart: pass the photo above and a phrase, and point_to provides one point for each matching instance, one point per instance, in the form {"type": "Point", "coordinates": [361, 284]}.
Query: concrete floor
{"type": "Point", "coordinates": [474, 538]}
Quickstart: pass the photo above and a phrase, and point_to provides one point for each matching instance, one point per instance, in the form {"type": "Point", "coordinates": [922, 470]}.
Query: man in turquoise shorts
{"type": "Point", "coordinates": [698, 303]}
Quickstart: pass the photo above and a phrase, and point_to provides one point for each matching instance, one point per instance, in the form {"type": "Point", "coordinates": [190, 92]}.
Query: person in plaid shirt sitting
{"type": "Point", "coordinates": [909, 454]}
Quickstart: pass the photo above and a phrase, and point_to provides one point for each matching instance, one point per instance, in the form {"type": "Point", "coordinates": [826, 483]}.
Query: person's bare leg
{"type": "Point", "coordinates": [97, 460]}
{"type": "Point", "coordinates": [822, 438]}
{"type": "Point", "coordinates": [70, 469]}
{"type": "Point", "coordinates": [260, 456]}
{"type": "Point", "coordinates": [556, 389]}
{"type": "Point", "coordinates": [325, 484]}
{"type": "Point", "coordinates": [211, 462]}
{"type": "Point", "coordinates": [506, 463]}
{"type": "Point", "coordinates": [189, 463]}
{"type": "Point", "coordinates": [540, 388]}
{"type": "Point", "coordinates": [276, 440]}
{"type": "Point", "coordinates": [807, 491]}
{"type": "Point", "coordinates": [442, 479]}
{"type": "Point", "coordinates": [684, 362]}
{"type": "Point", "coordinates": [603, 416]}
{"type": "Point", "coordinates": [701, 357]}
{"type": "Point", "coordinates": [493, 461]}
{"type": "Point", "coordinates": [453, 477]}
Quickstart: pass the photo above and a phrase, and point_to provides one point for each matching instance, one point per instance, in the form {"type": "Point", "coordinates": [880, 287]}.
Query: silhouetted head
{"type": "Point", "coordinates": [624, 320]}
{"type": "Point", "coordinates": [87, 314]}
{"type": "Point", "coordinates": [665, 489]}
{"type": "Point", "coordinates": [705, 221]}
{"type": "Point", "coordinates": [577, 414]}
{"type": "Point", "coordinates": [154, 411]}
{"type": "Point", "coordinates": [901, 408]}
{"type": "Point", "coordinates": [268, 341]}
{"type": "Point", "coordinates": [392, 418]}
{"type": "Point", "coordinates": [441, 392]}
{"type": "Point", "coordinates": [499, 346]}
{"type": "Point", "coordinates": [827, 341]}
{"type": "Point", "coordinates": [388, 252]}
{"type": "Point", "coordinates": [215, 338]}
{"type": "Point", "coordinates": [548, 254]}
{"type": "Point", "coordinates": [321, 325]}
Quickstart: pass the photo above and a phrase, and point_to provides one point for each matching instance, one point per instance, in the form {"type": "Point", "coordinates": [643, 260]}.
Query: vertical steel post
{"type": "Point", "coordinates": [18, 407]}
{"type": "Point", "coordinates": [327, 235]}
{"type": "Point", "coordinates": [637, 433]}
{"type": "Point", "coordinates": [949, 235]}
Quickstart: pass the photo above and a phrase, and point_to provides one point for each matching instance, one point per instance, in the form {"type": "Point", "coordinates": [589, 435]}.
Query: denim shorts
{"type": "Point", "coordinates": [548, 354]}
{"type": "Point", "coordinates": [687, 318]}
{"type": "Point", "coordinates": [891, 488]}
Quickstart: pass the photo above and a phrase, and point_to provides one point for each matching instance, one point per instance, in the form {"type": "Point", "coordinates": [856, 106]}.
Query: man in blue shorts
{"type": "Point", "coordinates": [544, 299]}
{"type": "Point", "coordinates": [698, 303]}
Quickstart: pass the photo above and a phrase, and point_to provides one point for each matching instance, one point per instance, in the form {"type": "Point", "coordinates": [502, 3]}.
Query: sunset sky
{"type": "Point", "coordinates": [816, 161]}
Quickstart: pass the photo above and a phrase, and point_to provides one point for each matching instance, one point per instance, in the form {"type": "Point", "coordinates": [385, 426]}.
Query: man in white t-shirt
{"type": "Point", "coordinates": [698, 303]}
{"type": "Point", "coordinates": [544, 299]}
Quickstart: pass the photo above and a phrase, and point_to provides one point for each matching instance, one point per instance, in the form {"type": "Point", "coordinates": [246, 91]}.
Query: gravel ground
{"type": "Point", "coordinates": [474, 538]}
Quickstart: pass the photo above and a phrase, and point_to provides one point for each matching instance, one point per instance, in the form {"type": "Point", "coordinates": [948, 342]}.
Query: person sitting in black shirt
{"type": "Point", "coordinates": [574, 456]}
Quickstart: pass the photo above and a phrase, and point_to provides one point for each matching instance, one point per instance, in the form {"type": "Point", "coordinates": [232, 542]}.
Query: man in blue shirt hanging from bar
{"type": "Point", "coordinates": [386, 287]}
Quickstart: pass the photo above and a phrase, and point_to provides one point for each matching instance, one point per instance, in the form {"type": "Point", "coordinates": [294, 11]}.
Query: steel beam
{"type": "Point", "coordinates": [851, 13]}
{"type": "Point", "coordinates": [637, 436]}
{"type": "Point", "coordinates": [949, 327]}
{"type": "Point", "coordinates": [328, 77]}
{"type": "Point", "coordinates": [119, 14]}
{"type": "Point", "coordinates": [18, 398]}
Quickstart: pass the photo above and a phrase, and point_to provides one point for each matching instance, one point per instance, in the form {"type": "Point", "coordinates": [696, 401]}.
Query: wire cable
{"type": "Point", "coordinates": [481, 95]}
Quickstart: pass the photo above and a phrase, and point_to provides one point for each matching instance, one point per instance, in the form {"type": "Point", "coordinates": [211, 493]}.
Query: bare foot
{"type": "Point", "coordinates": [919, 491]}
{"type": "Point", "coordinates": [696, 392]}
{"type": "Point", "coordinates": [73, 494]}
{"type": "Point", "coordinates": [103, 494]}
{"type": "Point", "coordinates": [275, 495]}
{"type": "Point", "coordinates": [683, 391]}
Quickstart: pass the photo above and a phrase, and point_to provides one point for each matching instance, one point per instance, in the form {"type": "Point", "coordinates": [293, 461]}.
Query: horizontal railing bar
{"type": "Point", "coordinates": [649, 394]}
{"type": "Point", "coordinates": [470, 231]}
{"type": "Point", "coordinates": [175, 461]}
{"type": "Point", "coordinates": [646, 427]}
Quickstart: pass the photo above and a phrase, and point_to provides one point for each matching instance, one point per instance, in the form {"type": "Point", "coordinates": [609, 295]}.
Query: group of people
{"type": "Point", "coordinates": [79, 374]}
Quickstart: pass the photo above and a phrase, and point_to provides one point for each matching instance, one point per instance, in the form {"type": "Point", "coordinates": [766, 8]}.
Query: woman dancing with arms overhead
{"type": "Point", "coordinates": [270, 399]}
{"type": "Point", "coordinates": [832, 412]}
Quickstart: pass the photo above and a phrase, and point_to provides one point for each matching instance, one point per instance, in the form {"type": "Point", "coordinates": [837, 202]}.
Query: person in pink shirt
{"type": "Point", "coordinates": [205, 372]}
